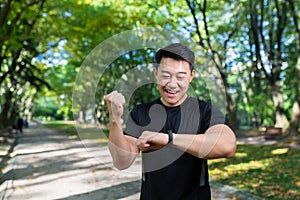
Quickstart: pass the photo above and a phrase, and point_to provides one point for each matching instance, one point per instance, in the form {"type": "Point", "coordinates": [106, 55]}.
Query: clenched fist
{"type": "Point", "coordinates": [115, 102]}
{"type": "Point", "coordinates": [151, 140]}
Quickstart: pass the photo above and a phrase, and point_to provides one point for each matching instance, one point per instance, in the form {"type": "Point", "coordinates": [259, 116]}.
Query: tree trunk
{"type": "Point", "coordinates": [4, 115]}
{"type": "Point", "coordinates": [82, 115]}
{"type": "Point", "coordinates": [294, 124]}
{"type": "Point", "coordinates": [4, 13]}
{"type": "Point", "coordinates": [280, 116]}
{"type": "Point", "coordinates": [231, 111]}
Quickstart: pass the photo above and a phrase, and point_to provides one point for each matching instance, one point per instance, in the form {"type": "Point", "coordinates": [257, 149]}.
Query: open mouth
{"type": "Point", "coordinates": [171, 92]}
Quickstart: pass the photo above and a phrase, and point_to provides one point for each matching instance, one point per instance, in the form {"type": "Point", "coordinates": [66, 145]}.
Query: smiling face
{"type": "Point", "coordinates": [173, 78]}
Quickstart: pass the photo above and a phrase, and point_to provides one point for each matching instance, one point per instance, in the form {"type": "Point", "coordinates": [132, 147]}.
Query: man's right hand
{"type": "Point", "coordinates": [115, 102]}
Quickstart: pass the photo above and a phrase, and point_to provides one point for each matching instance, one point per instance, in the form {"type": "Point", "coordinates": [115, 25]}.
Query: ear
{"type": "Point", "coordinates": [155, 73]}
{"type": "Point", "coordinates": [192, 75]}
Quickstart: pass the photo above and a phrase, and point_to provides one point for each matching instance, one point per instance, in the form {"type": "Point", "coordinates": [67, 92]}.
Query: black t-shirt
{"type": "Point", "coordinates": [169, 173]}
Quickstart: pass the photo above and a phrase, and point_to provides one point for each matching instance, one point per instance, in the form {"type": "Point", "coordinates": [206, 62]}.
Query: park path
{"type": "Point", "coordinates": [49, 165]}
{"type": "Point", "coordinates": [46, 164]}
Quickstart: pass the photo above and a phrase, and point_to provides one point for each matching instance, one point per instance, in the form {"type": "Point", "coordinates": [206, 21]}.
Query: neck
{"type": "Point", "coordinates": [179, 102]}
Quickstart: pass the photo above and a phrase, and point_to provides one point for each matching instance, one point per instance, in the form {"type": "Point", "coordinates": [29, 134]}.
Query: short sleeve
{"type": "Point", "coordinates": [210, 116]}
{"type": "Point", "coordinates": [132, 127]}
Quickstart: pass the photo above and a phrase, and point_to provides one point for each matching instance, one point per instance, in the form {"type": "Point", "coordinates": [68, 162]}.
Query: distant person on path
{"type": "Point", "coordinates": [175, 133]}
{"type": "Point", "coordinates": [20, 124]}
{"type": "Point", "coordinates": [26, 123]}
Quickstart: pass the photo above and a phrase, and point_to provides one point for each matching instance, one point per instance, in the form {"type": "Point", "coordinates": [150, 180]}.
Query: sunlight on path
{"type": "Point", "coordinates": [48, 165]}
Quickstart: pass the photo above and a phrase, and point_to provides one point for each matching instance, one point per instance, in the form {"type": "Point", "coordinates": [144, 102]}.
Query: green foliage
{"type": "Point", "coordinates": [22, 37]}
{"type": "Point", "coordinates": [267, 171]}
{"type": "Point", "coordinates": [44, 43]}
{"type": "Point", "coordinates": [47, 108]}
{"type": "Point", "coordinates": [61, 78]}
{"type": "Point", "coordinates": [128, 68]}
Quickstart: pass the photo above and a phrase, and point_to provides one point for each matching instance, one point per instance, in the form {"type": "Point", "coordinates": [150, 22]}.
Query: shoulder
{"type": "Point", "coordinates": [208, 110]}
{"type": "Point", "coordinates": [203, 105]}
{"type": "Point", "coordinates": [144, 107]}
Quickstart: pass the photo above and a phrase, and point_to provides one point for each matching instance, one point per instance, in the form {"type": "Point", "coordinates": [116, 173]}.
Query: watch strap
{"type": "Point", "coordinates": [170, 134]}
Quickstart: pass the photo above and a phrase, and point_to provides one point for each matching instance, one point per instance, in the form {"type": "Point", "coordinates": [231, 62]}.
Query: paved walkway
{"type": "Point", "coordinates": [48, 165]}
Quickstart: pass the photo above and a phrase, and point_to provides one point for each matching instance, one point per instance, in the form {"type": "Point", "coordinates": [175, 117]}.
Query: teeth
{"type": "Point", "coordinates": [170, 91]}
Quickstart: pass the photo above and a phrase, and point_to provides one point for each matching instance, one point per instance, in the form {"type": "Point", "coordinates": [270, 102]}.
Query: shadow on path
{"type": "Point", "coordinates": [119, 191]}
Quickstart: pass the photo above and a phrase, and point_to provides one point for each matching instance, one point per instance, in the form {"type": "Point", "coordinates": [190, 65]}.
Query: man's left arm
{"type": "Point", "coordinates": [218, 141]}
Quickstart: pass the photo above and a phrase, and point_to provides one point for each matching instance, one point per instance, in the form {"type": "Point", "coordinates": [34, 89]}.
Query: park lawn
{"type": "Point", "coordinates": [268, 171]}
{"type": "Point", "coordinates": [61, 126]}
{"type": "Point", "coordinates": [82, 131]}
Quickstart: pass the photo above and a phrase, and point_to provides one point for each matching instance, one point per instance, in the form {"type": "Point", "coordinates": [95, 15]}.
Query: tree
{"type": "Point", "coordinates": [215, 37]}
{"type": "Point", "coordinates": [19, 44]}
{"type": "Point", "coordinates": [268, 21]}
{"type": "Point", "coordinates": [126, 16]}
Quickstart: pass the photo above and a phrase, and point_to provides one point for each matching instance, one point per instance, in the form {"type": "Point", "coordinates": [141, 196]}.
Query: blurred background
{"type": "Point", "coordinates": [253, 44]}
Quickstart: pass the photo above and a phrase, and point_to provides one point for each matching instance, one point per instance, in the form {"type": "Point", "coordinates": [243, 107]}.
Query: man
{"type": "Point", "coordinates": [175, 133]}
{"type": "Point", "coordinates": [20, 124]}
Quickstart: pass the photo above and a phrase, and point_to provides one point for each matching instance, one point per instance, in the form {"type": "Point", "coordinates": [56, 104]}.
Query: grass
{"type": "Point", "coordinates": [67, 128]}
{"type": "Point", "coordinates": [82, 131]}
{"type": "Point", "coordinates": [267, 171]}
{"type": "Point", "coordinates": [271, 172]}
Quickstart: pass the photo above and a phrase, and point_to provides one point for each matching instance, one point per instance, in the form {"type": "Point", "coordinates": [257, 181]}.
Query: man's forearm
{"type": "Point", "coordinates": [121, 148]}
{"type": "Point", "coordinates": [218, 142]}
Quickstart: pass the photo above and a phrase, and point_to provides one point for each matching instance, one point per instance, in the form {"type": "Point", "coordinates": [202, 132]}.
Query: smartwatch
{"type": "Point", "coordinates": [170, 134]}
